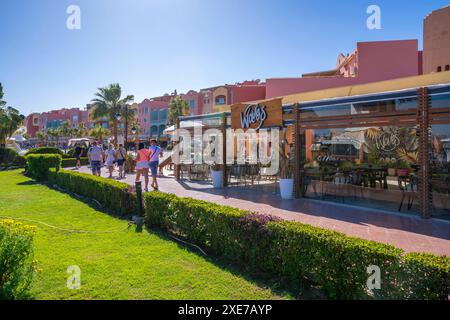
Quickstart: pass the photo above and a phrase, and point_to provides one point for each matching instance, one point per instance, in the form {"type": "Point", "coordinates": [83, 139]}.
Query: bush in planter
{"type": "Point", "coordinates": [16, 259]}
{"type": "Point", "coordinates": [38, 165]}
{"type": "Point", "coordinates": [304, 254]}
{"type": "Point", "coordinates": [45, 150]}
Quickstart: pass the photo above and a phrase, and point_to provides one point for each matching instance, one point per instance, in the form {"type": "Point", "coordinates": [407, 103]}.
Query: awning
{"type": "Point", "coordinates": [183, 125]}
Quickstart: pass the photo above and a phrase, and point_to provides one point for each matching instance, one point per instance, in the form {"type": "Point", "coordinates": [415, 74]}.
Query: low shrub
{"type": "Point", "coordinates": [301, 254]}
{"type": "Point", "coordinates": [10, 158]}
{"type": "Point", "coordinates": [16, 259]}
{"type": "Point", "coordinates": [111, 194]}
{"type": "Point", "coordinates": [45, 150]}
{"type": "Point", "coordinates": [72, 162]}
{"type": "Point", "coordinates": [7, 155]}
{"type": "Point", "coordinates": [38, 165]}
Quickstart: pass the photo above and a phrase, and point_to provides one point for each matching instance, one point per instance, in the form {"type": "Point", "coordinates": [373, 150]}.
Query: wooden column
{"type": "Point", "coordinates": [224, 150]}
{"type": "Point", "coordinates": [298, 174]}
{"type": "Point", "coordinates": [424, 136]}
{"type": "Point", "coordinates": [177, 167]}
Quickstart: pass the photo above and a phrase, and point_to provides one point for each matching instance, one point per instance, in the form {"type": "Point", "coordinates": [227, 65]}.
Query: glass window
{"type": "Point", "coordinates": [325, 111]}
{"type": "Point", "coordinates": [220, 100]}
{"type": "Point", "coordinates": [440, 100]}
{"type": "Point", "coordinates": [440, 170]}
{"type": "Point", "coordinates": [372, 166]}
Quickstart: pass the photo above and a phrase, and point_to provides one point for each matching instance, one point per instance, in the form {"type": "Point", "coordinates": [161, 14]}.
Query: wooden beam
{"type": "Point", "coordinates": [424, 136]}
{"type": "Point", "coordinates": [298, 174]}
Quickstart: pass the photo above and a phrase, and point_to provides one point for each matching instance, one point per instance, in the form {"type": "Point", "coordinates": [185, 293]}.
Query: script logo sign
{"type": "Point", "coordinates": [253, 114]}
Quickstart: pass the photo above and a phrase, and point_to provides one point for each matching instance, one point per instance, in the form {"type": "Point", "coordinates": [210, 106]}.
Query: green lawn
{"type": "Point", "coordinates": [116, 263]}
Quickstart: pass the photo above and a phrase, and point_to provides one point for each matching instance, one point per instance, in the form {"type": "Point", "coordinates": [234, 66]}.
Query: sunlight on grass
{"type": "Point", "coordinates": [116, 263]}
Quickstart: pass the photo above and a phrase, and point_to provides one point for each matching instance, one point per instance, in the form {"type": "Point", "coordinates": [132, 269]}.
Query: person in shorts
{"type": "Point", "coordinates": [121, 155]}
{"type": "Point", "coordinates": [155, 153]}
{"type": "Point", "coordinates": [95, 156]}
{"type": "Point", "coordinates": [142, 164]}
{"type": "Point", "coordinates": [77, 154]}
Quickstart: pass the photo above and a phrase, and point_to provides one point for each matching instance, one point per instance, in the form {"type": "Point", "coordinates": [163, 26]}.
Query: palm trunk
{"type": "Point", "coordinates": [115, 133]}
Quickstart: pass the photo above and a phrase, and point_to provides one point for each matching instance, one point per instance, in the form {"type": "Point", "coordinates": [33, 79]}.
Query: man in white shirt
{"type": "Point", "coordinates": [96, 156]}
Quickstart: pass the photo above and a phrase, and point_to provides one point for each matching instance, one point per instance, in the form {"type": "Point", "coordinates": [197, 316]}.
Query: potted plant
{"type": "Point", "coordinates": [286, 177]}
{"type": "Point", "coordinates": [130, 163]}
{"type": "Point", "coordinates": [391, 169]}
{"type": "Point", "coordinates": [217, 175]}
{"type": "Point", "coordinates": [402, 168]}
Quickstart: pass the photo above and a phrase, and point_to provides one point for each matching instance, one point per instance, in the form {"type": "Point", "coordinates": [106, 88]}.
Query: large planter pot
{"type": "Point", "coordinates": [403, 172]}
{"type": "Point", "coordinates": [217, 177]}
{"type": "Point", "coordinates": [392, 172]}
{"type": "Point", "coordinates": [287, 188]}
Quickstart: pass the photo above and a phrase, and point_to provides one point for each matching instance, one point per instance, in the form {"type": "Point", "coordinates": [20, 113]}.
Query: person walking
{"type": "Point", "coordinates": [77, 154]}
{"type": "Point", "coordinates": [110, 160]}
{"type": "Point", "coordinates": [142, 164]}
{"type": "Point", "coordinates": [95, 157]}
{"type": "Point", "coordinates": [155, 153]}
{"type": "Point", "coordinates": [121, 156]}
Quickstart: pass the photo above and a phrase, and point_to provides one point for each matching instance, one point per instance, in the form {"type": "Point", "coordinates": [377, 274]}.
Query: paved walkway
{"type": "Point", "coordinates": [405, 231]}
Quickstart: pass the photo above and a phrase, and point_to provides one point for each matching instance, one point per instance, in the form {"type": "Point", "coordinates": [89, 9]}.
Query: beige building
{"type": "Point", "coordinates": [436, 41]}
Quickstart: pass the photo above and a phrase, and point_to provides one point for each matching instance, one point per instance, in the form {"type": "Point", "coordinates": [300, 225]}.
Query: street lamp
{"type": "Point", "coordinates": [134, 130]}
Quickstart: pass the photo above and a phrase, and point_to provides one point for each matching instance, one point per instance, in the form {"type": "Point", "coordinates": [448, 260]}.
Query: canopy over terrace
{"type": "Point", "coordinates": [218, 120]}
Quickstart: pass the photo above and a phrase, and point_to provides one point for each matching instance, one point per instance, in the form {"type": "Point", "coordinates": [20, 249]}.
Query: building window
{"type": "Point", "coordinates": [35, 121]}
{"type": "Point", "coordinates": [220, 100]}
{"type": "Point", "coordinates": [192, 104]}
{"type": "Point", "coordinates": [439, 69]}
{"type": "Point", "coordinates": [447, 67]}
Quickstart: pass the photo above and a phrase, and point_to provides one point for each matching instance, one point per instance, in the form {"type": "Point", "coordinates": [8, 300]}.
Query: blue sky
{"type": "Point", "coordinates": [152, 47]}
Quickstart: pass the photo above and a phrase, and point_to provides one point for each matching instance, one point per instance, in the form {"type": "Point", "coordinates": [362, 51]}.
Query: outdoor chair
{"type": "Point", "coordinates": [408, 188]}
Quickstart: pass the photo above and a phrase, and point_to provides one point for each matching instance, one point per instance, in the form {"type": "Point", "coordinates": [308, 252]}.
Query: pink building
{"type": "Point", "coordinates": [220, 98]}
{"type": "Point", "coordinates": [194, 100]}
{"type": "Point", "coordinates": [53, 119]}
{"type": "Point", "coordinates": [370, 62]}
{"type": "Point", "coordinates": [152, 117]}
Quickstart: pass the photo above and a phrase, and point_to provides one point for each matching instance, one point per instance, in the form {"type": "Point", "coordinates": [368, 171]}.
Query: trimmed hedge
{"type": "Point", "coordinates": [16, 259]}
{"type": "Point", "coordinates": [111, 194]}
{"type": "Point", "coordinates": [303, 254]}
{"type": "Point", "coordinates": [10, 158]}
{"type": "Point", "coordinates": [72, 162]}
{"type": "Point", "coordinates": [45, 150]}
{"type": "Point", "coordinates": [39, 165]}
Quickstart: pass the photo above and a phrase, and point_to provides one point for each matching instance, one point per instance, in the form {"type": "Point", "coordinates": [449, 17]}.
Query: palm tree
{"type": "Point", "coordinates": [177, 108]}
{"type": "Point", "coordinates": [80, 131]}
{"type": "Point", "coordinates": [41, 137]}
{"type": "Point", "coordinates": [108, 103]}
{"type": "Point", "coordinates": [2, 102]}
{"type": "Point", "coordinates": [98, 132]}
{"type": "Point", "coordinates": [65, 130]}
{"type": "Point", "coordinates": [10, 121]}
{"type": "Point", "coordinates": [128, 114]}
{"type": "Point", "coordinates": [54, 134]}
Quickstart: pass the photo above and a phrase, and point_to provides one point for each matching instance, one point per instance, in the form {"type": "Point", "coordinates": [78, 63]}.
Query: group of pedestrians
{"type": "Point", "coordinates": [147, 161]}
{"type": "Point", "coordinates": [112, 156]}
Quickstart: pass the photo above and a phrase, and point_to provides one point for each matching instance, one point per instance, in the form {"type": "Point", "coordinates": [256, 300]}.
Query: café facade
{"type": "Point", "coordinates": [383, 145]}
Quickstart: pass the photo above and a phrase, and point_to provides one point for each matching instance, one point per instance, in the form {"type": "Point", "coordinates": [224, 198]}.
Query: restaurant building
{"type": "Point", "coordinates": [383, 145]}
